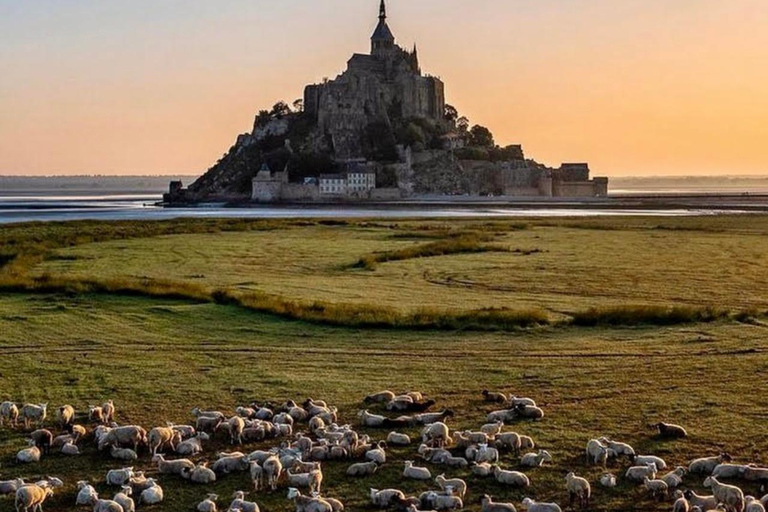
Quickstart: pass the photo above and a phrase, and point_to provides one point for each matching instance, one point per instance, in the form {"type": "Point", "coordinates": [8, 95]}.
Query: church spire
{"type": "Point", "coordinates": [382, 40]}
{"type": "Point", "coordinates": [382, 11]}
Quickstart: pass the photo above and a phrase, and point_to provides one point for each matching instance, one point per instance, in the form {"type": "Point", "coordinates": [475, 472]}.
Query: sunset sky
{"type": "Point", "coordinates": [635, 87]}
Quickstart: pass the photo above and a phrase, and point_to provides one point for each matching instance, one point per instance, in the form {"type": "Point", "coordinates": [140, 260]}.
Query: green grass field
{"type": "Point", "coordinates": [159, 357]}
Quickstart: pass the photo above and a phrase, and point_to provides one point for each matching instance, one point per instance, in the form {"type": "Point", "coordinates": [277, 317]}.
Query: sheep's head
{"type": "Point", "coordinates": [725, 457]}
{"type": "Point", "coordinates": [708, 481]}
{"type": "Point", "coordinates": [293, 493]}
{"type": "Point", "coordinates": [239, 495]}
{"type": "Point", "coordinates": [127, 490]}
{"type": "Point", "coordinates": [527, 502]}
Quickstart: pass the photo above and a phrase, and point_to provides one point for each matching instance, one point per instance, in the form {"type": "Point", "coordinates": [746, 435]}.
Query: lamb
{"type": "Point", "coordinates": [703, 502]}
{"type": "Point", "coordinates": [123, 498]}
{"type": "Point", "coordinates": [70, 448]}
{"type": "Point", "coordinates": [199, 474]}
{"type": "Point", "coordinates": [199, 413]}
{"type": "Point", "coordinates": [193, 445]}
{"type": "Point", "coordinates": [130, 435]}
{"type": "Point", "coordinates": [509, 440]}
{"type": "Point", "coordinates": [28, 455]}
{"type": "Point", "coordinates": [456, 462]}
{"type": "Point", "coordinates": [515, 401]}
{"type": "Point", "coordinates": [434, 455]}
{"type": "Point", "coordinates": [442, 501]}
{"type": "Point", "coordinates": [307, 503]}
{"type": "Point", "coordinates": [400, 403]}
{"type": "Point", "coordinates": [416, 473]}
{"type": "Point", "coordinates": [336, 505]}
{"type": "Point", "coordinates": [706, 465]}
{"type": "Point", "coordinates": [639, 473]}
{"type": "Point", "coordinates": [108, 409]}
{"type": "Point", "coordinates": [642, 460]}
{"type": "Point", "coordinates": [63, 439]}
{"type": "Point", "coordinates": [161, 436]}
{"type": "Point", "coordinates": [618, 448]}
{"type": "Point", "coordinates": [482, 453]}
{"type": "Point", "coordinates": [501, 415]}
{"type": "Point", "coordinates": [30, 413]}
{"type": "Point", "coordinates": [78, 431]}
{"type": "Point", "coordinates": [377, 454]}
{"type": "Point", "coordinates": [669, 430]}
{"type": "Point", "coordinates": [674, 479]}
{"type": "Point", "coordinates": [172, 467]}
{"type": "Point", "coordinates": [730, 495]}
{"type": "Point", "coordinates": [65, 415]}
{"type": "Point", "coordinates": [535, 460]}
{"type": "Point", "coordinates": [657, 488]}
{"type": "Point", "coordinates": [755, 474]}
{"type": "Point", "coordinates": [493, 396]}
{"type": "Point", "coordinates": [312, 480]}
{"type": "Point", "coordinates": [511, 478]}
{"type": "Point", "coordinates": [492, 429]}
{"type": "Point", "coordinates": [608, 480]}
{"type": "Point", "coordinates": [397, 439]}
{"type": "Point", "coordinates": [231, 463]}
{"type": "Point", "coordinates": [753, 504]}
{"type": "Point", "coordinates": [208, 504]}
{"type": "Point", "coordinates": [96, 414]}
{"type": "Point", "coordinates": [50, 481]}
{"type": "Point", "coordinates": [681, 504]}
{"type": "Point", "coordinates": [10, 412]}
{"type": "Point", "coordinates": [436, 432]}
{"type": "Point", "coordinates": [106, 506]}
{"type": "Point", "coordinates": [273, 469]}
{"type": "Point", "coordinates": [119, 477]}
{"type": "Point", "coordinates": [257, 476]}
{"type": "Point", "coordinates": [125, 454]}
{"type": "Point", "coordinates": [380, 397]}
{"type": "Point", "coordinates": [432, 417]}
{"type": "Point", "coordinates": [153, 494]}
{"type": "Point", "coordinates": [30, 498]}
{"type": "Point", "coordinates": [458, 485]}
{"type": "Point", "coordinates": [476, 437]}
{"type": "Point", "coordinates": [578, 487]}
{"type": "Point", "coordinates": [386, 498]}
{"type": "Point", "coordinates": [85, 494]}
{"type": "Point", "coordinates": [483, 469]}
{"type": "Point", "coordinates": [596, 452]}
{"type": "Point", "coordinates": [533, 506]}
{"type": "Point", "coordinates": [43, 439]}
{"type": "Point", "coordinates": [10, 486]}
{"type": "Point", "coordinates": [234, 426]}
{"type": "Point", "coordinates": [490, 506]}
{"type": "Point", "coordinates": [370, 420]}
{"type": "Point", "coordinates": [362, 468]}
{"type": "Point", "coordinates": [186, 431]}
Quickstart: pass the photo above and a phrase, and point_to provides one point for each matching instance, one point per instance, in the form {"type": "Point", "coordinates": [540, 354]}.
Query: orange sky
{"type": "Point", "coordinates": [635, 87]}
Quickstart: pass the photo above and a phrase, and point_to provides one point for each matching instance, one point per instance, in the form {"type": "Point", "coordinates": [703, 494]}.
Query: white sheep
{"type": "Point", "coordinates": [10, 412]}
{"type": "Point", "coordinates": [527, 443]}
{"type": "Point", "coordinates": [123, 498]}
{"type": "Point", "coordinates": [703, 502]}
{"type": "Point", "coordinates": [273, 468]}
{"type": "Point", "coordinates": [535, 460]}
{"type": "Point", "coordinates": [608, 480]}
{"type": "Point", "coordinates": [416, 473]}
{"type": "Point", "coordinates": [65, 415]}
{"type": "Point", "coordinates": [85, 494]}
{"type": "Point", "coordinates": [642, 460]}
{"type": "Point", "coordinates": [370, 420]}
{"type": "Point", "coordinates": [312, 480]}
{"type": "Point", "coordinates": [380, 397]}
{"type": "Point", "coordinates": [386, 497]}
{"type": "Point", "coordinates": [492, 429]}
{"type": "Point", "coordinates": [657, 488]}
{"type": "Point", "coordinates": [193, 445]}
{"type": "Point", "coordinates": [100, 505]}
{"type": "Point", "coordinates": [753, 504]}
{"type": "Point", "coordinates": [596, 452]}
{"type": "Point", "coordinates": [483, 469]}
{"type": "Point", "coordinates": [674, 478]}
{"type": "Point", "coordinates": [31, 497]}
{"type": "Point", "coordinates": [706, 465]}
{"type": "Point", "coordinates": [362, 468]}
{"type": "Point", "coordinates": [509, 440]}
{"type": "Point", "coordinates": [681, 504]}
{"type": "Point", "coordinates": [10, 486]}
{"type": "Point", "coordinates": [308, 503]}
{"type": "Point", "coordinates": [208, 504]}
{"type": "Point", "coordinates": [638, 474]}
{"type": "Point", "coordinates": [162, 436]}
{"type": "Point", "coordinates": [119, 477]}
{"type": "Point", "coordinates": [257, 475]}
{"type": "Point", "coordinates": [125, 454]}
{"type": "Point", "coordinates": [730, 495]}
{"type": "Point", "coordinates": [377, 454]}
{"type": "Point", "coordinates": [483, 453]}
{"type": "Point", "coordinates": [153, 494]}
{"type": "Point", "coordinates": [511, 478]}
{"type": "Point", "coordinates": [28, 455]}
{"type": "Point", "coordinates": [239, 503]}
{"type": "Point", "coordinates": [397, 439]}
{"type": "Point", "coordinates": [578, 487]}
{"type": "Point", "coordinates": [199, 474]}
{"type": "Point", "coordinates": [437, 432]}
{"type": "Point", "coordinates": [70, 448]}
{"type": "Point", "coordinates": [231, 463]}
{"type": "Point", "coordinates": [30, 413]}
{"type": "Point", "coordinates": [490, 506]}
{"type": "Point", "coordinates": [533, 506]}
{"type": "Point", "coordinates": [456, 462]}
{"type": "Point", "coordinates": [442, 501]}
{"type": "Point", "coordinates": [729, 470]}
{"type": "Point", "coordinates": [171, 467]}
{"type": "Point", "coordinates": [618, 448]}
{"type": "Point", "coordinates": [458, 485]}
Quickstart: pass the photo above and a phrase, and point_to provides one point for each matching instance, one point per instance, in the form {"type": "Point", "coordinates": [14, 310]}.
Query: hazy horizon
{"type": "Point", "coordinates": [147, 88]}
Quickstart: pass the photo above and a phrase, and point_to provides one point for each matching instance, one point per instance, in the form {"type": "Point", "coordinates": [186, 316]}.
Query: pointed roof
{"type": "Point", "coordinates": [382, 31]}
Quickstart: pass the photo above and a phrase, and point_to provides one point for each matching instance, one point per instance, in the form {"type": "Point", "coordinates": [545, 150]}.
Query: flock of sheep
{"type": "Point", "coordinates": [296, 457]}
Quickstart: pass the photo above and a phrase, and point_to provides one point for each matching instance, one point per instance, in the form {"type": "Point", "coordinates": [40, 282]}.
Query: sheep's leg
{"type": "Point", "coordinates": [572, 497]}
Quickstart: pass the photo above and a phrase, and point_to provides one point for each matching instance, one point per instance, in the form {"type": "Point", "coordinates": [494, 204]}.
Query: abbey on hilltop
{"type": "Point", "coordinates": [381, 130]}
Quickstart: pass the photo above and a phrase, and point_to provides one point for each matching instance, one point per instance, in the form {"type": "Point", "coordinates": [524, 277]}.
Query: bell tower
{"type": "Point", "coordinates": [382, 39]}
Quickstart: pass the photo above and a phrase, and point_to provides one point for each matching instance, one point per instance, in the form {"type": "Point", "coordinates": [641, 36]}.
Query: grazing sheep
{"type": "Point", "coordinates": [380, 397]}
{"type": "Point", "coordinates": [511, 478]}
{"type": "Point", "coordinates": [535, 460]}
{"type": "Point", "coordinates": [199, 474]}
{"type": "Point", "coordinates": [416, 473]}
{"type": "Point", "coordinates": [85, 494]}
{"type": "Point", "coordinates": [509, 440]}
{"type": "Point", "coordinates": [231, 463]}
{"type": "Point", "coordinates": [490, 506]}
{"type": "Point", "coordinates": [385, 498]}
{"type": "Point", "coordinates": [10, 412]}
{"type": "Point", "coordinates": [370, 420]}
{"type": "Point", "coordinates": [730, 495]}
{"type": "Point", "coordinates": [33, 413]}
{"type": "Point", "coordinates": [638, 474]}
{"type": "Point", "coordinates": [312, 480]}
{"type": "Point", "coordinates": [703, 502]}
{"type": "Point", "coordinates": [681, 504]}
{"type": "Point", "coordinates": [397, 439]}
{"type": "Point", "coordinates": [273, 468]}
{"type": "Point", "coordinates": [65, 415]}
{"type": "Point", "coordinates": [533, 506]}
{"type": "Point", "coordinates": [729, 470]}
{"type": "Point", "coordinates": [208, 504]}
{"type": "Point", "coordinates": [436, 433]}
{"type": "Point", "coordinates": [153, 494]}
{"type": "Point", "coordinates": [669, 430]}
{"type": "Point", "coordinates": [28, 455]}
{"type": "Point", "coordinates": [706, 465]}
{"type": "Point", "coordinates": [193, 445]}
{"type": "Point", "coordinates": [657, 488]}
{"type": "Point", "coordinates": [642, 460]}
{"type": "Point", "coordinates": [362, 468]}
{"type": "Point", "coordinates": [608, 480]}
{"type": "Point", "coordinates": [43, 439]}
{"type": "Point", "coordinates": [127, 436]}
{"type": "Point", "coordinates": [596, 452]}
{"type": "Point", "coordinates": [171, 467]}
{"type": "Point", "coordinates": [123, 498]}
{"type": "Point", "coordinates": [492, 429]}
{"type": "Point", "coordinates": [307, 503]}
{"type": "Point", "coordinates": [674, 479]}
{"type": "Point", "coordinates": [162, 436]}
{"type": "Point", "coordinates": [753, 504]}
{"type": "Point", "coordinates": [578, 487]}
{"type": "Point", "coordinates": [458, 485]}
{"type": "Point", "coordinates": [119, 477]}
{"type": "Point", "coordinates": [125, 454]}
{"type": "Point", "coordinates": [493, 396]}
{"type": "Point", "coordinates": [483, 469]}
{"type": "Point", "coordinates": [30, 498]}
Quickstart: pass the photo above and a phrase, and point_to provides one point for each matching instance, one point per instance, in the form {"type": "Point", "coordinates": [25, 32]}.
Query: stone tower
{"type": "Point", "coordinates": [382, 40]}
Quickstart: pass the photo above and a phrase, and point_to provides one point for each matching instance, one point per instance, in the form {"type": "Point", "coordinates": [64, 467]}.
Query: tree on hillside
{"type": "Point", "coordinates": [481, 136]}
{"type": "Point", "coordinates": [298, 105]}
{"type": "Point", "coordinates": [451, 114]}
{"type": "Point", "coordinates": [462, 124]}
{"type": "Point", "coordinates": [280, 110]}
